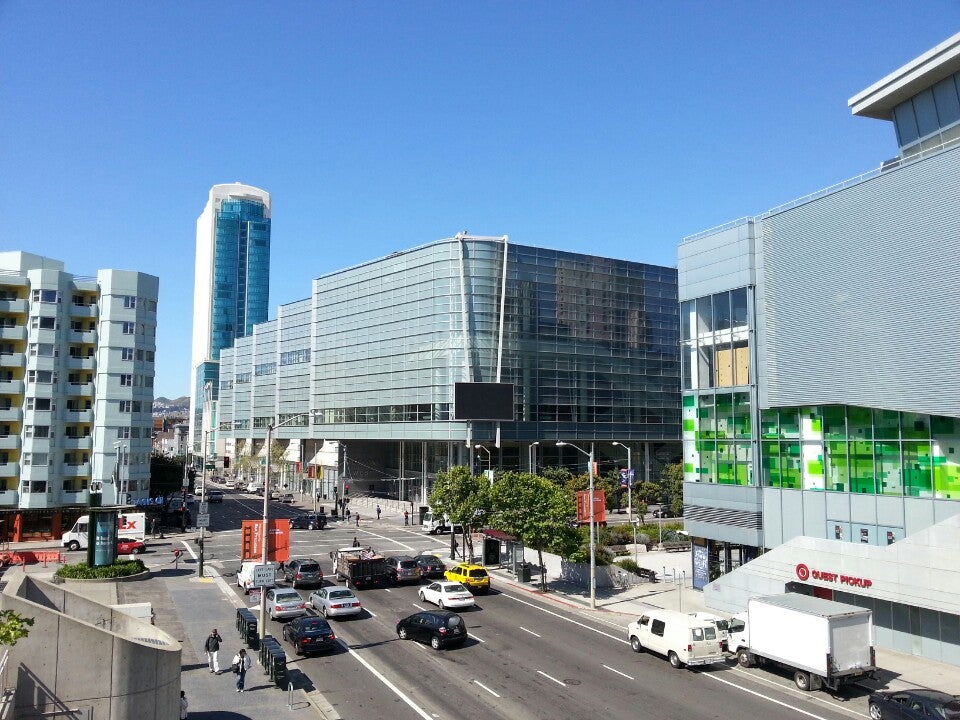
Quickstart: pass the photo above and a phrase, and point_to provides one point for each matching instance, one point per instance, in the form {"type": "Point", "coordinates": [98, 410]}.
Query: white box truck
{"type": "Point", "coordinates": [132, 526]}
{"type": "Point", "coordinates": [824, 643]}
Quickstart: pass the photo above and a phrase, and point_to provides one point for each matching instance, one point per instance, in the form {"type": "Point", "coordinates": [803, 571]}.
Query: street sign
{"type": "Point", "coordinates": [204, 508]}
{"type": "Point", "coordinates": [203, 520]}
{"type": "Point", "coordinates": [264, 575]}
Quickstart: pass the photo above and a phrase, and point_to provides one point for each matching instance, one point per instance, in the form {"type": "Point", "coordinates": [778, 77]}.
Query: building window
{"type": "Point", "coordinates": [125, 406]}
{"type": "Point", "coordinates": [243, 378]}
{"type": "Point", "coordinates": [43, 323]}
{"type": "Point", "coordinates": [295, 357]}
{"type": "Point", "coordinates": [126, 353]}
{"type": "Point", "coordinates": [46, 296]}
{"type": "Point", "coordinates": [130, 302]}
{"type": "Point", "coordinates": [38, 431]}
{"type": "Point", "coordinates": [262, 422]}
{"type": "Point", "coordinates": [126, 380]}
{"type": "Point", "coordinates": [150, 356]}
{"type": "Point", "coordinates": [42, 377]}
{"type": "Point", "coordinates": [128, 328]}
{"type": "Point", "coordinates": [265, 369]}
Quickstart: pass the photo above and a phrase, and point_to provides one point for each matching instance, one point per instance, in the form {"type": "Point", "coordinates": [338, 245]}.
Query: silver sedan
{"type": "Point", "coordinates": [335, 601]}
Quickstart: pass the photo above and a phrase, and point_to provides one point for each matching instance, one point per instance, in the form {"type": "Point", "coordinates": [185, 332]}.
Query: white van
{"type": "Point", "coordinates": [245, 574]}
{"type": "Point", "coordinates": [722, 624]}
{"type": "Point", "coordinates": [683, 638]}
{"type": "Point", "coordinates": [254, 486]}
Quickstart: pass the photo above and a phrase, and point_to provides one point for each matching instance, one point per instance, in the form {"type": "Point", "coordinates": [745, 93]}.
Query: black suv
{"type": "Point", "coordinates": [440, 628]}
{"type": "Point", "coordinates": [431, 566]}
{"type": "Point", "coordinates": [309, 521]}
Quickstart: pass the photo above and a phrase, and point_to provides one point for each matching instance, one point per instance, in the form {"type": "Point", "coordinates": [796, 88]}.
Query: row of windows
{"type": "Point", "coordinates": [928, 112]}
{"type": "Point", "coordinates": [131, 406]}
{"type": "Point", "coordinates": [131, 380]}
{"type": "Point", "coordinates": [137, 354]}
{"type": "Point", "coordinates": [265, 369]}
{"type": "Point", "coordinates": [132, 328]}
{"type": "Point", "coordinates": [295, 357]}
{"type": "Point", "coordinates": [130, 302]}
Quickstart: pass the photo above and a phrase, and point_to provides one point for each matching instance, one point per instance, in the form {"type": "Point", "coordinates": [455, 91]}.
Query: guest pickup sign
{"type": "Point", "coordinates": [278, 540]}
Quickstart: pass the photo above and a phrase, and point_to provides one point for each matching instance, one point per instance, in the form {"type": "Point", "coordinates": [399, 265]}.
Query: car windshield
{"type": "Point", "coordinates": [314, 624]}
{"type": "Point", "coordinates": [309, 567]}
{"type": "Point", "coordinates": [337, 594]}
{"type": "Point", "coordinates": [454, 587]}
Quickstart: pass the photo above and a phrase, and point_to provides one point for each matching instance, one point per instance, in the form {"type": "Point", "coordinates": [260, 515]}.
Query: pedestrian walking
{"type": "Point", "coordinates": [406, 517]}
{"type": "Point", "coordinates": [378, 511]}
{"type": "Point", "coordinates": [358, 519]}
{"type": "Point", "coordinates": [241, 663]}
{"type": "Point", "coordinates": [153, 528]}
{"type": "Point", "coordinates": [212, 646]}
{"type": "Point", "coordinates": [356, 543]}
{"type": "Point", "coordinates": [183, 705]}
{"type": "Point", "coordinates": [347, 514]}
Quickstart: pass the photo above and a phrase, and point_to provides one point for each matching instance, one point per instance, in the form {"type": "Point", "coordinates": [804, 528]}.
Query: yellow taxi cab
{"type": "Point", "coordinates": [472, 576]}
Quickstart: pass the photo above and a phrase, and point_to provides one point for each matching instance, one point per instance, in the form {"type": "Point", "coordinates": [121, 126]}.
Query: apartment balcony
{"type": "Point", "coordinates": [77, 470]}
{"type": "Point", "coordinates": [9, 498]}
{"type": "Point", "coordinates": [82, 336]}
{"type": "Point", "coordinates": [82, 363]}
{"type": "Point", "coordinates": [78, 416]}
{"type": "Point", "coordinates": [76, 443]}
{"type": "Point", "coordinates": [12, 414]}
{"type": "Point", "coordinates": [84, 311]}
{"type": "Point", "coordinates": [9, 442]}
{"type": "Point", "coordinates": [14, 359]}
{"type": "Point", "coordinates": [37, 500]}
{"type": "Point", "coordinates": [9, 470]}
{"type": "Point", "coordinates": [11, 387]}
{"type": "Point", "coordinates": [75, 497]}
{"type": "Point", "coordinates": [80, 389]}
{"type": "Point", "coordinates": [13, 333]}
{"type": "Point", "coordinates": [14, 306]}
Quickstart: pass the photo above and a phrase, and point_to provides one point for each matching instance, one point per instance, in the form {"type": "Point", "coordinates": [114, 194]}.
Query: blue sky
{"type": "Point", "coordinates": [614, 128]}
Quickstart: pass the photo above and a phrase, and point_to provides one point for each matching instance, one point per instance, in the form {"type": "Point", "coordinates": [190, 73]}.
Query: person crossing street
{"type": "Point", "coordinates": [212, 646]}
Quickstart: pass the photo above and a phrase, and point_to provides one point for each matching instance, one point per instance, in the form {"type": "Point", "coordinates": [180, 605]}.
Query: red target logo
{"type": "Point", "coordinates": [803, 572]}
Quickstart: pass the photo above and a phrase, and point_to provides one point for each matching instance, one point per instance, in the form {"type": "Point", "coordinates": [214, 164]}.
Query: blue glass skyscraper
{"type": "Point", "coordinates": [231, 292]}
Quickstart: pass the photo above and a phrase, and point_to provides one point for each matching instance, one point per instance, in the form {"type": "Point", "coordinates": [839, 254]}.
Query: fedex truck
{"type": "Point", "coordinates": [130, 526]}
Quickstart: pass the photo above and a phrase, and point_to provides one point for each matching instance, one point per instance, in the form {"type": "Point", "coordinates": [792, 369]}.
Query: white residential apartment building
{"type": "Point", "coordinates": [77, 361]}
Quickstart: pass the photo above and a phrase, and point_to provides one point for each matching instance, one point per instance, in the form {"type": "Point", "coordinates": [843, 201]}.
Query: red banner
{"type": "Point", "coordinates": [278, 540]}
{"type": "Point", "coordinates": [599, 506]}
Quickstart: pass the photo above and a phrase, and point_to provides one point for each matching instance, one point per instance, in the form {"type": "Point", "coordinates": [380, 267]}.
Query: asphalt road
{"type": "Point", "coordinates": [524, 659]}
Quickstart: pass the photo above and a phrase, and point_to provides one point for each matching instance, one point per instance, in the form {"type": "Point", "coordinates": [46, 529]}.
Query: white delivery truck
{"type": "Point", "coordinates": [130, 526]}
{"type": "Point", "coordinates": [824, 643]}
{"type": "Point", "coordinates": [434, 523]}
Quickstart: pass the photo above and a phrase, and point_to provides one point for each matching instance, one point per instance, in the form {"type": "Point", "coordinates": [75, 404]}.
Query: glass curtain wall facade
{"type": "Point", "coordinates": [589, 343]}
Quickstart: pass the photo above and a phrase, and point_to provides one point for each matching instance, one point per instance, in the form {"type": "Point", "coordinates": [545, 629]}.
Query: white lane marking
{"type": "Point", "coordinates": [761, 695]}
{"type": "Point", "coordinates": [475, 637]}
{"type": "Point", "coordinates": [558, 682]}
{"type": "Point", "coordinates": [421, 609]}
{"type": "Point", "coordinates": [416, 708]}
{"type": "Point", "coordinates": [529, 631]}
{"type": "Point", "coordinates": [566, 619]}
{"type": "Point", "coordinates": [370, 613]}
{"type": "Point", "coordinates": [388, 539]}
{"type": "Point", "coordinates": [792, 689]}
{"type": "Point", "coordinates": [616, 671]}
{"type": "Point", "coordinates": [477, 682]}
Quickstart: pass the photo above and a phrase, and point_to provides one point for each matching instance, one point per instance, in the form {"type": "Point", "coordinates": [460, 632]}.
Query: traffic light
{"type": "Point", "coordinates": [346, 489]}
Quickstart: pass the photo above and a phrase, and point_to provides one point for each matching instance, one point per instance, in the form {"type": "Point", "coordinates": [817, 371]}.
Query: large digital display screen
{"type": "Point", "coordinates": [483, 401]}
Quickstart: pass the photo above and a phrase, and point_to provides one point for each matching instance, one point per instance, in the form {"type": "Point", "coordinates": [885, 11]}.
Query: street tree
{"type": "Point", "coordinates": [464, 498]}
{"type": "Point", "coordinates": [672, 477]}
{"type": "Point", "coordinates": [535, 511]}
{"type": "Point", "coordinates": [13, 626]}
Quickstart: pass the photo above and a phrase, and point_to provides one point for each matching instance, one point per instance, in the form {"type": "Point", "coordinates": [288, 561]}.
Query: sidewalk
{"type": "Point", "coordinates": [189, 607]}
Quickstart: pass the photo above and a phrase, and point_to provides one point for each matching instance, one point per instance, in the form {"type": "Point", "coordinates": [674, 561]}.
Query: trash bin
{"type": "Point", "coordinates": [250, 634]}
{"type": "Point", "coordinates": [267, 646]}
{"type": "Point", "coordinates": [241, 623]}
{"type": "Point", "coordinates": [523, 572]}
{"type": "Point", "coordinates": [278, 666]}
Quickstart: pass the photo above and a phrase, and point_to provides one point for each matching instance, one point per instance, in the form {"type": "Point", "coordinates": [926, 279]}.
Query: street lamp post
{"type": "Point", "coordinates": [630, 496]}
{"type": "Point", "coordinates": [530, 453]}
{"type": "Point", "coordinates": [489, 460]}
{"type": "Point", "coordinates": [593, 559]}
{"type": "Point", "coordinates": [265, 536]}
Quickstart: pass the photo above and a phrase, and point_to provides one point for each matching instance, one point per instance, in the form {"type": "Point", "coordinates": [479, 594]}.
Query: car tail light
{"type": "Point", "coordinates": [443, 631]}
{"type": "Point", "coordinates": [689, 648]}
{"type": "Point", "coordinates": [302, 605]}
{"type": "Point", "coordinates": [306, 640]}
{"type": "Point", "coordinates": [299, 576]}
{"type": "Point", "coordinates": [278, 608]}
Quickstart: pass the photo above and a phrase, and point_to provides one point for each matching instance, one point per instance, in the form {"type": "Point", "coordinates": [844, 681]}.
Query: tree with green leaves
{"type": "Point", "coordinates": [672, 477]}
{"type": "Point", "coordinates": [557, 475]}
{"type": "Point", "coordinates": [536, 511]}
{"type": "Point", "coordinates": [464, 498]}
{"type": "Point", "coordinates": [13, 626]}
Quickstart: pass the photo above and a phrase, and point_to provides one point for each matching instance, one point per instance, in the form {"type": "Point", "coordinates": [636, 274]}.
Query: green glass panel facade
{"type": "Point", "coordinates": [838, 466]}
{"type": "Point", "coordinates": [917, 469]}
{"type": "Point", "coordinates": [741, 415]}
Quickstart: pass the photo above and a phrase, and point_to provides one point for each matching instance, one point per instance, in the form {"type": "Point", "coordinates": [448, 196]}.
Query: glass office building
{"type": "Point", "coordinates": [588, 343]}
{"type": "Point", "coordinates": [821, 392]}
{"type": "Point", "coordinates": [231, 291]}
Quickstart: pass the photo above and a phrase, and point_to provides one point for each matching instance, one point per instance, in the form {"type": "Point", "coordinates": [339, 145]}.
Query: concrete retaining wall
{"type": "Point", "coordinates": [81, 654]}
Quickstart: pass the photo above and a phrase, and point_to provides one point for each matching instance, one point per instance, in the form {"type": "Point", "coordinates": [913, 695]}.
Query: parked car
{"type": "Point", "coordinates": [440, 628]}
{"type": "Point", "coordinates": [335, 601]}
{"type": "Point", "coordinates": [474, 577]}
{"type": "Point", "coordinates": [303, 572]}
{"type": "Point", "coordinates": [245, 574]}
{"type": "Point", "coordinates": [130, 547]}
{"type": "Point", "coordinates": [283, 603]}
{"type": "Point", "coordinates": [431, 566]}
{"type": "Point", "coordinates": [284, 497]}
{"type": "Point", "coordinates": [447, 594]}
{"type": "Point", "coordinates": [664, 512]}
{"type": "Point", "coordinates": [308, 521]}
{"type": "Point", "coordinates": [913, 705]}
{"type": "Point", "coordinates": [403, 568]}
{"type": "Point", "coordinates": [215, 496]}
{"type": "Point", "coordinates": [310, 635]}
